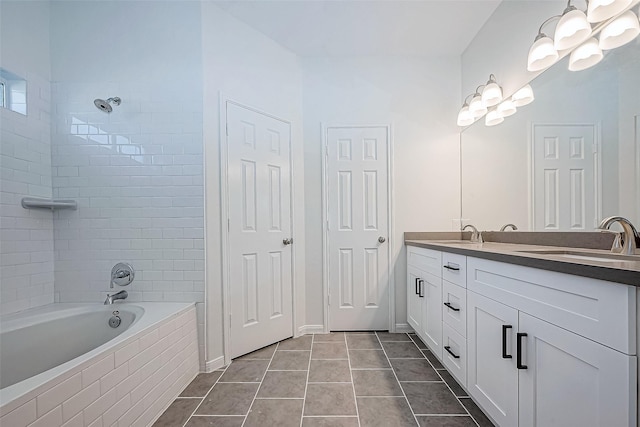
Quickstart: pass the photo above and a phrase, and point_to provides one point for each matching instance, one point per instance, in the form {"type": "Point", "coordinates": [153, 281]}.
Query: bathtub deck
{"type": "Point", "coordinates": [340, 379]}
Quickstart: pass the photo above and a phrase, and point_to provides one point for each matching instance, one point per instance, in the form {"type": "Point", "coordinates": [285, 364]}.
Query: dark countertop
{"type": "Point", "coordinates": [619, 269]}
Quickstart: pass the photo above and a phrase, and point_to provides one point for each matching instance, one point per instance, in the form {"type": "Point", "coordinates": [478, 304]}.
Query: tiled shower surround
{"type": "Point", "coordinates": [26, 252]}
{"type": "Point", "coordinates": [137, 175]}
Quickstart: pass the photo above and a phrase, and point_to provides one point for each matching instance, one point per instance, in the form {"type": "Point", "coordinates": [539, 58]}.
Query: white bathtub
{"type": "Point", "coordinates": [63, 363]}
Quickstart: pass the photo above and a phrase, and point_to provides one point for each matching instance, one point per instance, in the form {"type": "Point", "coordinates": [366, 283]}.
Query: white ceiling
{"type": "Point", "coordinates": [366, 27]}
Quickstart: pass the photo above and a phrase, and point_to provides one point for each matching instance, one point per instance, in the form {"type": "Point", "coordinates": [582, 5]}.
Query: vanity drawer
{"type": "Point", "coordinates": [454, 354]}
{"type": "Point", "coordinates": [454, 309]}
{"type": "Point", "coordinates": [454, 268]}
{"type": "Point", "coordinates": [604, 312]}
{"type": "Point", "coordinates": [426, 260]}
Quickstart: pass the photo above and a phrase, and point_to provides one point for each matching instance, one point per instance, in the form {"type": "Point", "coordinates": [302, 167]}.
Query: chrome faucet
{"type": "Point", "coordinates": [630, 236]}
{"type": "Point", "coordinates": [476, 236]}
{"type": "Point", "coordinates": [504, 227]}
{"type": "Point", "coordinates": [113, 297]}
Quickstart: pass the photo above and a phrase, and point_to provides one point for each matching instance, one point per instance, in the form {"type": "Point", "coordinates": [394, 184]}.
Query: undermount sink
{"type": "Point", "coordinates": [586, 256]}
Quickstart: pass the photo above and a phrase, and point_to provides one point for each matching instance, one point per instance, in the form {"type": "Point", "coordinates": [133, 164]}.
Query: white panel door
{"type": "Point", "coordinates": [492, 377]}
{"type": "Point", "coordinates": [259, 195]}
{"type": "Point", "coordinates": [414, 302]}
{"type": "Point", "coordinates": [357, 174]}
{"type": "Point", "coordinates": [564, 177]}
{"type": "Point", "coordinates": [431, 292]}
{"type": "Point", "coordinates": [572, 381]}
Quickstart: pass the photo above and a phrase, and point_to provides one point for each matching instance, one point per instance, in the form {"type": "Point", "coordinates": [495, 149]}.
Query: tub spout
{"type": "Point", "coordinates": [118, 295]}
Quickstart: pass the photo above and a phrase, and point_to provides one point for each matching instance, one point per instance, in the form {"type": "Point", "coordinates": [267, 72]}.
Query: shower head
{"type": "Point", "coordinates": [106, 105]}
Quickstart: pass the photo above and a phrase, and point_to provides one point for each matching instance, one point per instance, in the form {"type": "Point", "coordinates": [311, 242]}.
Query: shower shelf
{"type": "Point", "coordinates": [53, 204]}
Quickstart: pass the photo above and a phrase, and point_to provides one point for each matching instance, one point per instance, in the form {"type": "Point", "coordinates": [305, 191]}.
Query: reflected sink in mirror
{"type": "Point", "coordinates": [586, 256]}
{"type": "Point", "coordinates": [456, 242]}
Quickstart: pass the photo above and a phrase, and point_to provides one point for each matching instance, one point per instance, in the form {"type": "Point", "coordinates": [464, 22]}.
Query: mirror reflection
{"type": "Point", "coordinates": [565, 161]}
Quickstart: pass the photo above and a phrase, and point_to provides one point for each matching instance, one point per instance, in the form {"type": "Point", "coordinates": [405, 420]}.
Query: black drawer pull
{"type": "Point", "coordinates": [448, 304]}
{"type": "Point", "coordinates": [504, 342]}
{"type": "Point", "coordinates": [417, 291]}
{"type": "Point", "coordinates": [448, 267]}
{"type": "Point", "coordinates": [519, 364]}
{"type": "Point", "coordinates": [455, 356]}
{"type": "Point", "coordinates": [421, 294]}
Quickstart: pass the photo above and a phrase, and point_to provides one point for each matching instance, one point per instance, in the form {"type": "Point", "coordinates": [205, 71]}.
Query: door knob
{"type": "Point", "coordinates": [381, 239]}
{"type": "Point", "coordinates": [287, 241]}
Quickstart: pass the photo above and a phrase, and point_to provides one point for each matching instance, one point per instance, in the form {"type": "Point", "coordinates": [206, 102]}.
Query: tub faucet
{"type": "Point", "coordinates": [113, 297]}
{"type": "Point", "coordinates": [630, 236]}
{"type": "Point", "coordinates": [504, 227]}
{"type": "Point", "coordinates": [476, 236]}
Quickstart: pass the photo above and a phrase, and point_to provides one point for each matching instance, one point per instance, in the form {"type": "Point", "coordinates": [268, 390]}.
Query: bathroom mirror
{"type": "Point", "coordinates": [13, 92]}
{"type": "Point", "coordinates": [566, 160]}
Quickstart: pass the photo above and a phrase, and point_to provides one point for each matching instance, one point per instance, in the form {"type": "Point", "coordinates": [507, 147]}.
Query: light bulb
{"type": "Point", "coordinates": [572, 29]}
{"type": "Point", "coordinates": [493, 118]}
{"type": "Point", "coordinates": [620, 31]}
{"type": "Point", "coordinates": [475, 106]}
{"type": "Point", "coordinates": [586, 55]}
{"type": "Point", "coordinates": [601, 10]}
{"type": "Point", "coordinates": [465, 118]}
{"type": "Point", "coordinates": [492, 93]}
{"type": "Point", "coordinates": [523, 96]}
{"type": "Point", "coordinates": [542, 54]}
{"type": "Point", "coordinates": [507, 108]}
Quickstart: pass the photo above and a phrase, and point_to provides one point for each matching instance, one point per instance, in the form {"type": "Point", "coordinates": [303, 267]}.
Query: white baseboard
{"type": "Point", "coordinates": [214, 364]}
{"type": "Point", "coordinates": [311, 329]}
{"type": "Point", "coordinates": [403, 328]}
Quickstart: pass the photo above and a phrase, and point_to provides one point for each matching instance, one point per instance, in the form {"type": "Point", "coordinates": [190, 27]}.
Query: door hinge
{"type": "Point", "coordinates": [226, 129]}
{"type": "Point", "coordinates": [329, 300]}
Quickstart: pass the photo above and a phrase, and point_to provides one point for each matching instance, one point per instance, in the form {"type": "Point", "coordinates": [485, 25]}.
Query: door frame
{"type": "Point", "coordinates": [225, 217]}
{"type": "Point", "coordinates": [325, 219]}
{"type": "Point", "coordinates": [597, 168]}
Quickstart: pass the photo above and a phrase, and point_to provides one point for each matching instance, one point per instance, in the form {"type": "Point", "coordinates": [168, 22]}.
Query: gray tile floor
{"type": "Point", "coordinates": [335, 380]}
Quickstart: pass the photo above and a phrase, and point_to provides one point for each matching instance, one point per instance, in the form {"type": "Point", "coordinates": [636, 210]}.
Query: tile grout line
{"type": "Point", "coordinates": [306, 384]}
{"type": "Point", "coordinates": [206, 394]}
{"type": "Point", "coordinates": [396, 377]}
{"type": "Point", "coordinates": [259, 386]}
{"type": "Point", "coordinates": [446, 384]}
{"type": "Point", "coordinates": [353, 384]}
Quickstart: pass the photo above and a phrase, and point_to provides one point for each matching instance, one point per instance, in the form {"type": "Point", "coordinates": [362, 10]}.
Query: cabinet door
{"type": "Point", "coordinates": [492, 377]}
{"type": "Point", "coordinates": [432, 313]}
{"type": "Point", "coordinates": [414, 302]}
{"type": "Point", "coordinates": [573, 381]}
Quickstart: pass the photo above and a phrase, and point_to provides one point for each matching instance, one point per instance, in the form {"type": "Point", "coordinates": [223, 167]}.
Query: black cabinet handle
{"type": "Point", "coordinates": [417, 291]}
{"type": "Point", "coordinates": [519, 364]}
{"type": "Point", "coordinates": [448, 267]}
{"type": "Point", "coordinates": [448, 304]}
{"type": "Point", "coordinates": [504, 342]}
{"type": "Point", "coordinates": [455, 356]}
{"type": "Point", "coordinates": [421, 294]}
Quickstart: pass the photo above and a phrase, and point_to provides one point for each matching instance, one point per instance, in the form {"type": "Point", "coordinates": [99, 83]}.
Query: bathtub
{"type": "Point", "coordinates": [63, 364]}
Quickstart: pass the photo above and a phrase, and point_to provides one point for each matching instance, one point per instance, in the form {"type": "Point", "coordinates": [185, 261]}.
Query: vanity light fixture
{"type": "Point", "coordinates": [465, 118]}
{"type": "Point", "coordinates": [475, 106]}
{"type": "Point", "coordinates": [507, 108]}
{"type": "Point", "coordinates": [620, 31]}
{"type": "Point", "coordinates": [586, 55]}
{"type": "Point", "coordinates": [601, 10]}
{"type": "Point", "coordinates": [523, 96]}
{"type": "Point", "coordinates": [493, 118]}
{"type": "Point", "coordinates": [492, 92]}
{"type": "Point", "coordinates": [542, 53]}
{"type": "Point", "coordinates": [573, 28]}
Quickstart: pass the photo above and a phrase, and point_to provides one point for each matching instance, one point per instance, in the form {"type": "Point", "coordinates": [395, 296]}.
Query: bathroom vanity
{"type": "Point", "coordinates": [537, 335]}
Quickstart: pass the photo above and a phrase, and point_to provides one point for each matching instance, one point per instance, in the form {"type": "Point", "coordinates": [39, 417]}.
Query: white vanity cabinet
{"type": "Point", "coordinates": [424, 296]}
{"type": "Point", "coordinates": [535, 347]}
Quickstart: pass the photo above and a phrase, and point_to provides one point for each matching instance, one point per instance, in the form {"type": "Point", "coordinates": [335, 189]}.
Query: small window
{"type": "Point", "coordinates": [13, 92]}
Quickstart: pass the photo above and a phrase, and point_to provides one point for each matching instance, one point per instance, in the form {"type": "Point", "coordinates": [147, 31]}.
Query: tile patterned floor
{"type": "Point", "coordinates": [335, 380]}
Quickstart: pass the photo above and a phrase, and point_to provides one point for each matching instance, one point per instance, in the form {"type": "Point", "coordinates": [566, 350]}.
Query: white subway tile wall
{"type": "Point", "coordinates": [126, 395]}
{"type": "Point", "coordinates": [27, 248]}
{"type": "Point", "coordinates": [137, 175]}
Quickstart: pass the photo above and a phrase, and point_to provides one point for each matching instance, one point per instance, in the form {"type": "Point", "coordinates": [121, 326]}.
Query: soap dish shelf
{"type": "Point", "coordinates": [53, 204]}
